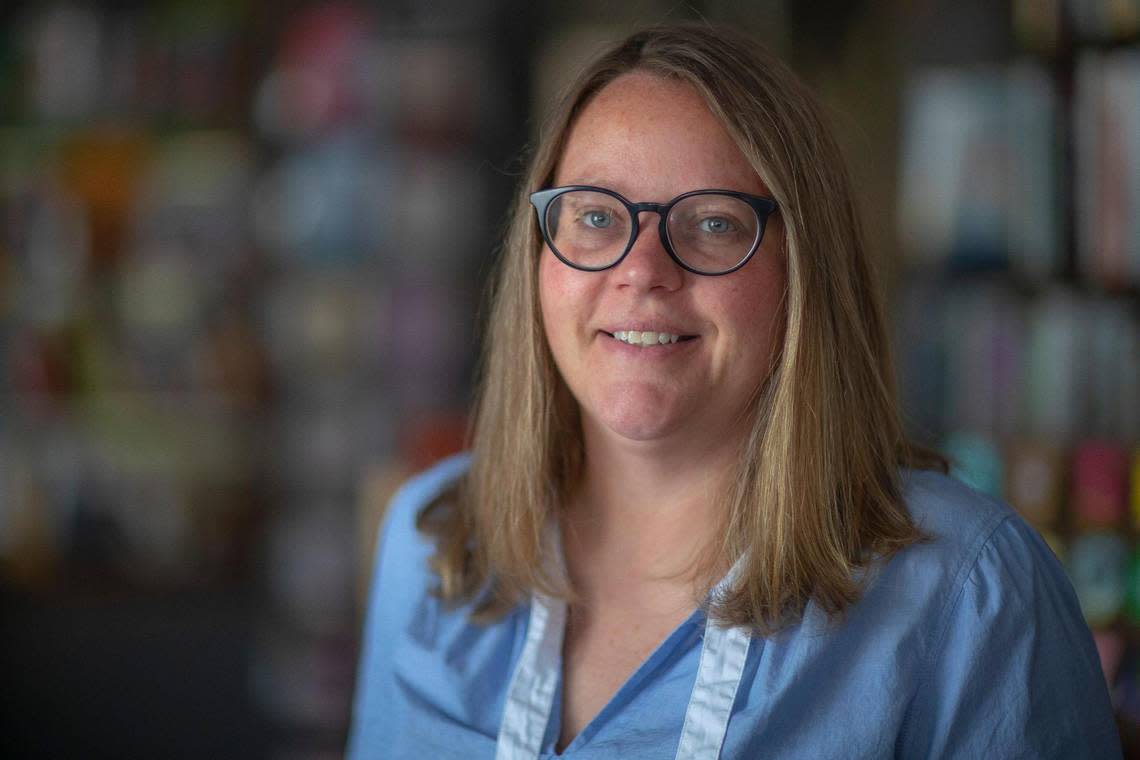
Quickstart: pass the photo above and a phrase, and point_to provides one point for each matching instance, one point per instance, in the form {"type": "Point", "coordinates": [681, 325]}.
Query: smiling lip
{"type": "Point", "coordinates": [646, 326]}
{"type": "Point", "coordinates": [648, 337]}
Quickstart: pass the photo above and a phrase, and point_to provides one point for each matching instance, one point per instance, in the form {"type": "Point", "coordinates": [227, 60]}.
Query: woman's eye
{"type": "Point", "coordinates": [597, 219]}
{"type": "Point", "coordinates": [716, 225]}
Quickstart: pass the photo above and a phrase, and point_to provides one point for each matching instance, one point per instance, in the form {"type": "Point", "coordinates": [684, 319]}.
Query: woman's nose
{"type": "Point", "coordinates": [648, 265]}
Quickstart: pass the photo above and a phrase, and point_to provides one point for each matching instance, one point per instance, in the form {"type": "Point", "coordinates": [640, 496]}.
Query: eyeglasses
{"type": "Point", "coordinates": [710, 232]}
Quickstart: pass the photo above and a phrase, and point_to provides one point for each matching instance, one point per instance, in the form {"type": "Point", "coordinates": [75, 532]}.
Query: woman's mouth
{"type": "Point", "coordinates": [648, 338]}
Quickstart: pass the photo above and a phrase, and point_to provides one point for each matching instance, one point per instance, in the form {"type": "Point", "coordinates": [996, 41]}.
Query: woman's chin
{"type": "Point", "coordinates": [639, 430]}
{"type": "Point", "coordinates": [645, 420]}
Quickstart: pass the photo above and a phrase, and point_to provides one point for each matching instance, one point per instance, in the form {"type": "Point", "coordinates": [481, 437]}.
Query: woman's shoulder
{"type": "Point", "coordinates": [417, 492]}
{"type": "Point", "coordinates": [956, 523]}
{"type": "Point", "coordinates": [419, 489]}
{"type": "Point", "coordinates": [947, 510]}
{"type": "Point", "coordinates": [426, 673]}
{"type": "Point", "coordinates": [999, 612]}
{"type": "Point", "coordinates": [401, 572]}
{"type": "Point", "coordinates": [969, 539]}
{"type": "Point", "coordinates": [980, 575]}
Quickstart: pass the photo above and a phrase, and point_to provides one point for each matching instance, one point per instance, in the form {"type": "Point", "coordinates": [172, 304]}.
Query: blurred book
{"type": "Point", "coordinates": [979, 185]}
{"type": "Point", "coordinates": [1106, 116]}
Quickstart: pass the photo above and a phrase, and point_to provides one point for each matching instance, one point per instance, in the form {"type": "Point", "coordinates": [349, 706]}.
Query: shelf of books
{"type": "Point", "coordinates": [239, 265]}
{"type": "Point", "coordinates": [1019, 216]}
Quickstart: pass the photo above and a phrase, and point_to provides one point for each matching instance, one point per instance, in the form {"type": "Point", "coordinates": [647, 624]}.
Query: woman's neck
{"type": "Point", "coordinates": [645, 512]}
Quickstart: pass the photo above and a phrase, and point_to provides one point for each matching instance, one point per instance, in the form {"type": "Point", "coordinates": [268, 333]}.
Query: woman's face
{"type": "Point", "coordinates": [652, 139]}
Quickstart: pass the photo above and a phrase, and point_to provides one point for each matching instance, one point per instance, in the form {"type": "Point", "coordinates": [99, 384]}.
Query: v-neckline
{"type": "Point", "coordinates": [644, 669]}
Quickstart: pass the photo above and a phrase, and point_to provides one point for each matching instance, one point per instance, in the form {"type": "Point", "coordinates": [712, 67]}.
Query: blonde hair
{"type": "Point", "coordinates": [816, 494]}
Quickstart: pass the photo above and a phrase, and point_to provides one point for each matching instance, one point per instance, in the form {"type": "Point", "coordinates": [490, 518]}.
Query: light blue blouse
{"type": "Point", "coordinates": [970, 645]}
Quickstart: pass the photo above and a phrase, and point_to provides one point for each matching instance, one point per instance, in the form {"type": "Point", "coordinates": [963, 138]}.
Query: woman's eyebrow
{"type": "Point", "coordinates": [591, 180]}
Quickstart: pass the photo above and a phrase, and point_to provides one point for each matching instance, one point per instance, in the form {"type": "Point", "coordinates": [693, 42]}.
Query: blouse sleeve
{"type": "Point", "coordinates": [1013, 672]}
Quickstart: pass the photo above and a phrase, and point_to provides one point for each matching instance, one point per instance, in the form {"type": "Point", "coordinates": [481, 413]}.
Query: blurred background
{"type": "Point", "coordinates": [242, 250]}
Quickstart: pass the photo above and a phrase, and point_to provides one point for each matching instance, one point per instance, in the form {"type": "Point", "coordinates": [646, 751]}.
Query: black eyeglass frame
{"type": "Point", "coordinates": [764, 207]}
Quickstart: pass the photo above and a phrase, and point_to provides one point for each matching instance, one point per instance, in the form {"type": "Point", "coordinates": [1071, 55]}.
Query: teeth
{"type": "Point", "coordinates": [645, 337]}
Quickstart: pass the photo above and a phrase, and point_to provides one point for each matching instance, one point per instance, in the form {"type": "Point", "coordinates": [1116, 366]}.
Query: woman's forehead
{"type": "Point", "coordinates": [644, 132]}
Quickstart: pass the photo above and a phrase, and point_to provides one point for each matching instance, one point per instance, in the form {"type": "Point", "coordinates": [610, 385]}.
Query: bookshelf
{"type": "Point", "coordinates": [1017, 311]}
{"type": "Point", "coordinates": [239, 265]}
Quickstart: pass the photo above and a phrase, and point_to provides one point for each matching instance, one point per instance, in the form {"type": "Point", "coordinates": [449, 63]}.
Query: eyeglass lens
{"type": "Point", "coordinates": [709, 232]}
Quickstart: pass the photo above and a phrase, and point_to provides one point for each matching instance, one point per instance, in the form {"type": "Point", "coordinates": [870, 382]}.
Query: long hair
{"type": "Point", "coordinates": [816, 493]}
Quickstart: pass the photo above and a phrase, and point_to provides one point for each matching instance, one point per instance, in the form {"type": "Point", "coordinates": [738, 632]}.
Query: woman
{"type": "Point", "coordinates": [689, 525]}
